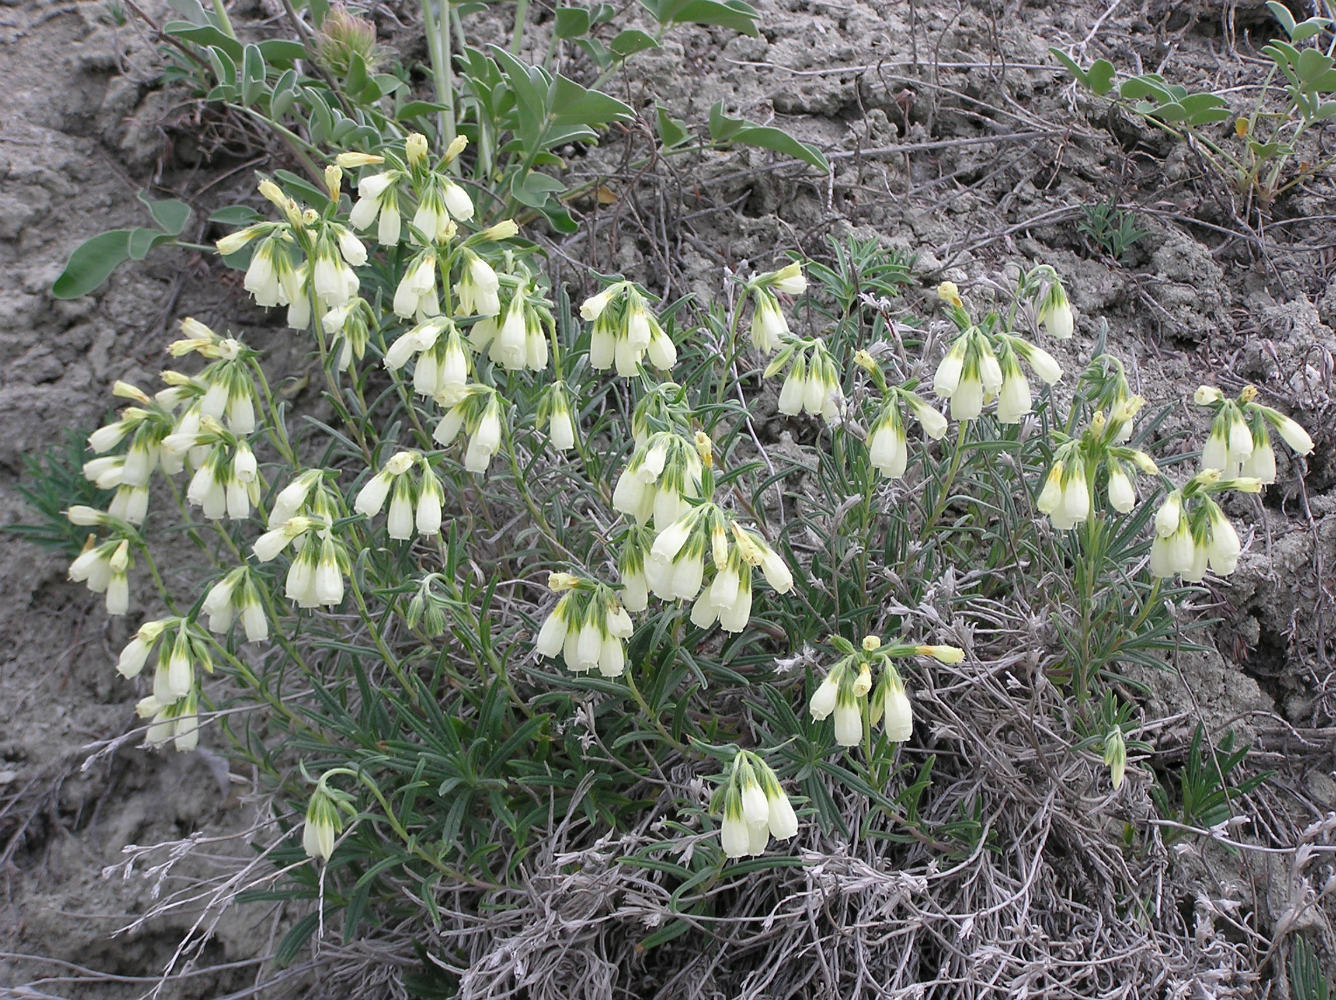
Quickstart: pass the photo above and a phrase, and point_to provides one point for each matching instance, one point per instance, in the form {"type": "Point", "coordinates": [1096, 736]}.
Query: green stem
{"type": "Point", "coordinates": [391, 661]}
{"type": "Point", "coordinates": [438, 48]}
{"type": "Point", "coordinates": [299, 147]}
{"type": "Point", "coordinates": [944, 494]}
{"type": "Point", "coordinates": [522, 487]}
{"type": "Point", "coordinates": [517, 38]}
{"type": "Point", "coordinates": [729, 355]}
{"type": "Point", "coordinates": [653, 716]}
{"type": "Point", "coordinates": [331, 382]}
{"type": "Point", "coordinates": [1080, 677]}
{"type": "Point", "coordinates": [224, 22]}
{"type": "Point", "coordinates": [410, 841]}
{"type": "Point", "coordinates": [275, 430]}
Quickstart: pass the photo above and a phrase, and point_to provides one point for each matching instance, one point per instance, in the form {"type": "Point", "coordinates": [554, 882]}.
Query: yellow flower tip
{"type": "Point", "coordinates": [949, 292]}
{"type": "Point", "coordinates": [1248, 484]}
{"type": "Point", "coordinates": [945, 654]}
{"type": "Point", "coordinates": [864, 360]}
{"type": "Point", "coordinates": [1145, 463]}
{"type": "Point", "coordinates": [558, 582]}
{"type": "Point", "coordinates": [271, 192]}
{"type": "Point", "coordinates": [195, 330]}
{"type": "Point", "coordinates": [1248, 394]}
{"type": "Point", "coordinates": [705, 448]}
{"type": "Point", "coordinates": [871, 643]}
{"type": "Point", "coordinates": [1208, 477]}
{"type": "Point", "coordinates": [863, 682]}
{"type": "Point", "coordinates": [333, 180]}
{"type": "Point", "coordinates": [400, 462]}
{"type": "Point", "coordinates": [350, 161]}
{"type": "Point", "coordinates": [503, 230]}
{"type": "Point", "coordinates": [124, 390]}
{"type": "Point", "coordinates": [180, 348]}
{"type": "Point", "coordinates": [1098, 422]}
{"type": "Point", "coordinates": [457, 145]}
{"type": "Point", "coordinates": [415, 148]}
{"type": "Point", "coordinates": [1131, 406]}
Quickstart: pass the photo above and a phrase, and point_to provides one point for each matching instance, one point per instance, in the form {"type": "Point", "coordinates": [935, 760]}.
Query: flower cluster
{"type": "Point", "coordinates": [440, 200]}
{"type": "Point", "coordinates": [324, 821]}
{"type": "Point", "coordinates": [633, 566]}
{"type": "Point", "coordinates": [516, 338]}
{"type": "Point", "coordinates": [1052, 311]}
{"type": "Point", "coordinates": [1239, 444]}
{"type": "Point", "coordinates": [588, 627]}
{"type": "Point", "coordinates": [849, 681]}
{"type": "Point", "coordinates": [660, 480]}
{"type": "Point", "coordinates": [104, 568]}
{"type": "Point", "coordinates": [983, 362]}
{"type": "Point", "coordinates": [307, 259]}
{"type": "Point", "coordinates": [349, 329]}
{"type": "Point", "coordinates": [226, 480]}
{"type": "Point", "coordinates": [172, 708]}
{"type": "Point", "coordinates": [676, 567]}
{"type": "Point", "coordinates": [554, 410]}
{"type": "Point", "coordinates": [442, 366]}
{"type": "Point", "coordinates": [1192, 532]}
{"type": "Point", "coordinates": [625, 332]}
{"type": "Point", "coordinates": [477, 413]}
{"type": "Point", "coordinates": [978, 367]}
{"type": "Point", "coordinates": [196, 422]}
{"type": "Point", "coordinates": [236, 594]}
{"type": "Point", "coordinates": [315, 575]}
{"type": "Point", "coordinates": [412, 504]}
{"type": "Point", "coordinates": [754, 807]}
{"type": "Point", "coordinates": [769, 328]}
{"type": "Point", "coordinates": [1067, 490]}
{"type": "Point", "coordinates": [887, 441]}
{"type": "Point", "coordinates": [811, 381]}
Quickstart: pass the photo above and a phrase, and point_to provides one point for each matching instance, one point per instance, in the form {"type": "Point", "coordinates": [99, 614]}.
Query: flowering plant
{"type": "Point", "coordinates": [488, 487]}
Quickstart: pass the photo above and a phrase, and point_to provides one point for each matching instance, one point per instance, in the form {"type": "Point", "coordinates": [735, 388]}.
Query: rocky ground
{"type": "Point", "coordinates": [952, 134]}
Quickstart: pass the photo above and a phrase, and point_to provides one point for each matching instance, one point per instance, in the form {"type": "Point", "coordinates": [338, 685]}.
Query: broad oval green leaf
{"type": "Point", "coordinates": [724, 129]}
{"type": "Point", "coordinates": [224, 67]}
{"type": "Point", "coordinates": [672, 131]}
{"type": "Point", "coordinates": [1071, 65]}
{"type": "Point", "coordinates": [236, 215]}
{"type": "Point", "coordinates": [143, 240]}
{"type": "Point", "coordinates": [1145, 86]}
{"type": "Point", "coordinates": [1170, 111]}
{"type": "Point", "coordinates": [631, 41]}
{"type": "Point", "coordinates": [91, 263]}
{"type": "Point", "coordinates": [572, 104]}
{"type": "Point", "coordinates": [418, 109]}
{"type": "Point", "coordinates": [1313, 65]}
{"type": "Point", "coordinates": [767, 137]}
{"type": "Point", "coordinates": [281, 53]}
{"type": "Point", "coordinates": [735, 14]}
{"type": "Point", "coordinates": [1100, 76]}
{"type": "Point", "coordinates": [1282, 14]}
{"type": "Point", "coordinates": [170, 214]}
{"type": "Point", "coordinates": [534, 189]}
{"type": "Point", "coordinates": [571, 22]}
{"type": "Point", "coordinates": [1203, 109]}
{"type": "Point", "coordinates": [204, 34]}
